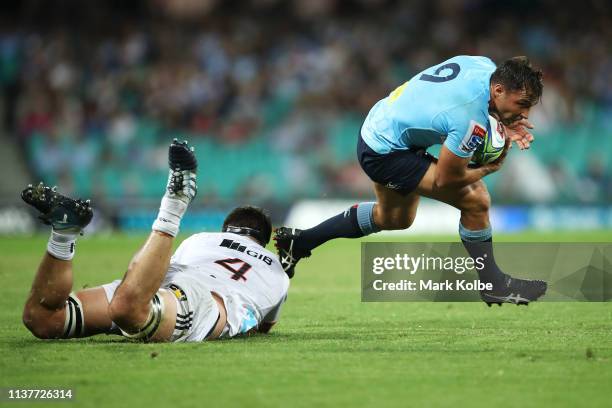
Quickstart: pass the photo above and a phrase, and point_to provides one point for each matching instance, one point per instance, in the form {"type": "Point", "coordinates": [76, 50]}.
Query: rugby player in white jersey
{"type": "Point", "coordinates": [216, 285]}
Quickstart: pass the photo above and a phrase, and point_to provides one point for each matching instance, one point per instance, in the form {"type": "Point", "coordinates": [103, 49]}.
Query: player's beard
{"type": "Point", "coordinates": [512, 120]}
{"type": "Point", "coordinates": [505, 121]}
{"type": "Point", "coordinates": [495, 113]}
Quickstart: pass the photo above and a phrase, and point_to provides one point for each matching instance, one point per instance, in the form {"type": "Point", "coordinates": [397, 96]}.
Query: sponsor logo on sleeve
{"type": "Point", "coordinates": [473, 138]}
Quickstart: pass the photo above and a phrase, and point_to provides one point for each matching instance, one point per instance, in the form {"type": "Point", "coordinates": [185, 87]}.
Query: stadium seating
{"type": "Point", "coordinates": [274, 113]}
{"type": "Point", "coordinates": [227, 170]}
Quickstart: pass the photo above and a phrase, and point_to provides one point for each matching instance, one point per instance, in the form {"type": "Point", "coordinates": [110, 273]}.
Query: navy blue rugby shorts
{"type": "Point", "coordinates": [400, 170]}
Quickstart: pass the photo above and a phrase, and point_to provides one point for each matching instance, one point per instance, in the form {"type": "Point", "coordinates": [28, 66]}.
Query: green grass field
{"type": "Point", "coordinates": [329, 349]}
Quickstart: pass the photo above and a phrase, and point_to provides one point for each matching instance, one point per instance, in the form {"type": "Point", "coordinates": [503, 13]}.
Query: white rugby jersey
{"type": "Point", "coordinates": [248, 277]}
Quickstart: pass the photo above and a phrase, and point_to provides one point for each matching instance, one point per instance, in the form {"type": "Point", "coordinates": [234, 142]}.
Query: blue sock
{"type": "Point", "coordinates": [479, 244]}
{"type": "Point", "coordinates": [355, 222]}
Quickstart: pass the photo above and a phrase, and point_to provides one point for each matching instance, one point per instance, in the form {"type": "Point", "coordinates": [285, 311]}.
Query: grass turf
{"type": "Point", "coordinates": [329, 349]}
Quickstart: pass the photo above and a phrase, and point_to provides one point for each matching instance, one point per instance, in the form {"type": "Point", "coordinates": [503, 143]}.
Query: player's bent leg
{"type": "Point", "coordinates": [51, 310]}
{"type": "Point", "coordinates": [185, 313]}
{"type": "Point", "coordinates": [473, 199]}
{"type": "Point", "coordinates": [394, 211]}
{"type": "Point", "coordinates": [137, 306]}
{"type": "Point", "coordinates": [154, 321]}
{"type": "Point", "coordinates": [476, 234]}
{"type": "Point", "coordinates": [142, 280]}
{"type": "Point", "coordinates": [82, 314]}
{"type": "Point", "coordinates": [294, 244]}
{"type": "Point", "coordinates": [395, 176]}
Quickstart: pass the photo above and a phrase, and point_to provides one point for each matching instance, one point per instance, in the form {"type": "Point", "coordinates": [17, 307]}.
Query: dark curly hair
{"type": "Point", "coordinates": [517, 74]}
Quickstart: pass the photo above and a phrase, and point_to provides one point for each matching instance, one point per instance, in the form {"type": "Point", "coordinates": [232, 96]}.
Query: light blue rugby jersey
{"type": "Point", "coordinates": [447, 103]}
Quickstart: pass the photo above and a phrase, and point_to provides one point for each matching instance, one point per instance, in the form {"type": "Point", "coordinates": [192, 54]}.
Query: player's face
{"type": "Point", "coordinates": [510, 106]}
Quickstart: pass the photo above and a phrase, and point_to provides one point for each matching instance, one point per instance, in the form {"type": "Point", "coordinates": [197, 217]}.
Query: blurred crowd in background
{"type": "Point", "coordinates": [272, 93]}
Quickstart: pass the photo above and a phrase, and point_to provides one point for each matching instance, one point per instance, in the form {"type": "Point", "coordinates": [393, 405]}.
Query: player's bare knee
{"type": "Point", "coordinates": [33, 323]}
{"type": "Point", "coordinates": [37, 328]}
{"type": "Point", "coordinates": [478, 201]}
{"type": "Point", "coordinates": [55, 323]}
{"type": "Point", "coordinates": [394, 221]}
{"type": "Point", "coordinates": [41, 322]}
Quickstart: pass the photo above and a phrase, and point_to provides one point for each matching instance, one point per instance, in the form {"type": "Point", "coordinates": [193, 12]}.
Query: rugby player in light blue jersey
{"type": "Point", "coordinates": [447, 104]}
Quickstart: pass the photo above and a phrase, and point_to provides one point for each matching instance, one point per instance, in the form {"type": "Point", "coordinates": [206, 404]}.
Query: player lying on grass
{"type": "Point", "coordinates": [216, 285]}
{"type": "Point", "coordinates": [447, 104]}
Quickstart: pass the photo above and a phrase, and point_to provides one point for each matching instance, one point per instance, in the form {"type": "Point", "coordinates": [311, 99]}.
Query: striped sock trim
{"type": "Point", "coordinates": [365, 218]}
{"type": "Point", "coordinates": [475, 236]}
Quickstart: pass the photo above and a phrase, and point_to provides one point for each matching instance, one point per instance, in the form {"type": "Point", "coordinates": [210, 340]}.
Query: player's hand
{"type": "Point", "coordinates": [518, 132]}
{"type": "Point", "coordinates": [496, 165]}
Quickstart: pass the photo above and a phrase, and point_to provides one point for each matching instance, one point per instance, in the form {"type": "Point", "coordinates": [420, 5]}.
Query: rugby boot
{"type": "Point", "coordinates": [288, 254]}
{"type": "Point", "coordinates": [516, 291]}
{"type": "Point", "coordinates": [183, 167]}
{"type": "Point", "coordinates": [64, 214]}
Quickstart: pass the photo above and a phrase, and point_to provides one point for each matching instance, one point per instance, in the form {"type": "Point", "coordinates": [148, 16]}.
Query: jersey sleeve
{"type": "Point", "coordinates": [465, 127]}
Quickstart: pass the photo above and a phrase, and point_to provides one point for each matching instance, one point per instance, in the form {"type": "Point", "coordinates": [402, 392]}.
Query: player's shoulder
{"type": "Point", "coordinates": [470, 70]}
{"type": "Point", "coordinates": [475, 61]}
{"type": "Point", "coordinates": [460, 67]}
{"type": "Point", "coordinates": [199, 237]}
{"type": "Point", "coordinates": [475, 73]}
{"type": "Point", "coordinates": [470, 92]}
{"type": "Point", "coordinates": [460, 80]}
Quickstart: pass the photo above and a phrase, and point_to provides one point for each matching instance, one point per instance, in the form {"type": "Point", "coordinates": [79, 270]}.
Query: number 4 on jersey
{"type": "Point", "coordinates": [229, 265]}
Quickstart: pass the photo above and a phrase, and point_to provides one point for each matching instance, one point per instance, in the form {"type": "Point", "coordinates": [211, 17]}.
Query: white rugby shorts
{"type": "Point", "coordinates": [197, 310]}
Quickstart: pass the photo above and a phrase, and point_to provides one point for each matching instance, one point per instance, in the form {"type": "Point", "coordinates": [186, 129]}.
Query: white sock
{"type": "Point", "coordinates": [170, 214]}
{"type": "Point", "coordinates": [61, 245]}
